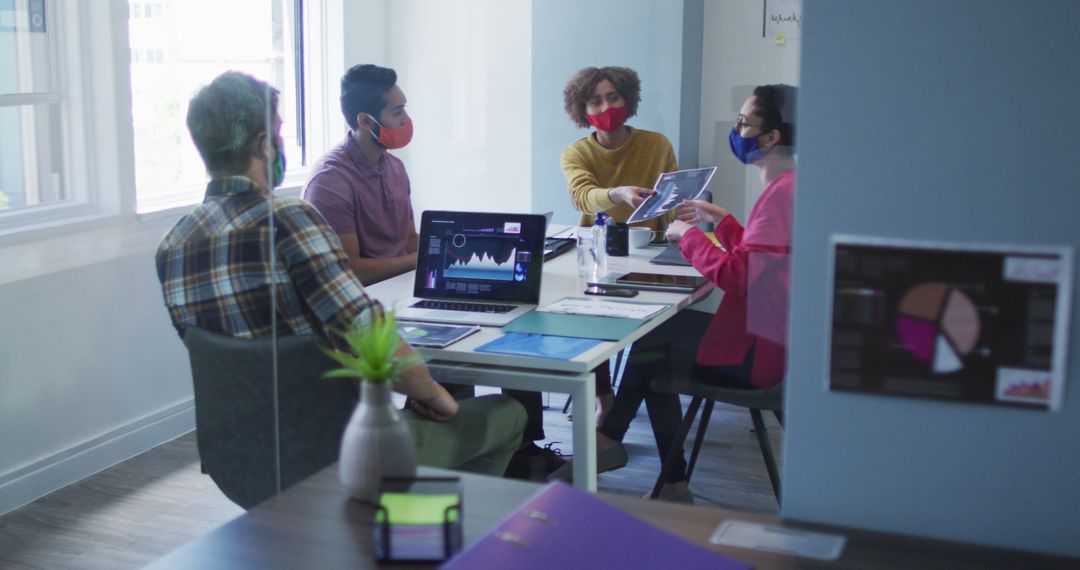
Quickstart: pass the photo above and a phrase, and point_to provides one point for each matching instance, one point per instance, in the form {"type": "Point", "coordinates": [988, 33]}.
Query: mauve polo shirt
{"type": "Point", "coordinates": [356, 197]}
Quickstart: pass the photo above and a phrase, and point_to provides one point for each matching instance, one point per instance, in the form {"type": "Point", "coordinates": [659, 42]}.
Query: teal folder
{"type": "Point", "coordinates": [539, 345]}
{"type": "Point", "coordinates": [580, 326]}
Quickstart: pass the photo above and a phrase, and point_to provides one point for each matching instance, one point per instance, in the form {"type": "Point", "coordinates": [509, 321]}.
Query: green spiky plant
{"type": "Point", "coordinates": [372, 346]}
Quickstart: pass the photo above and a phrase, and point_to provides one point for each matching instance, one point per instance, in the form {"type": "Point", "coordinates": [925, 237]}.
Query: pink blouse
{"type": "Point", "coordinates": [755, 275]}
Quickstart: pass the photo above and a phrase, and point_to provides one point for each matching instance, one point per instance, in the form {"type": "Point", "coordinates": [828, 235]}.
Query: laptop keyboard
{"type": "Point", "coordinates": [461, 306]}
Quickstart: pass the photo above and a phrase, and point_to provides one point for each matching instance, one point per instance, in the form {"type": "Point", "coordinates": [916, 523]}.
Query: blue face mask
{"type": "Point", "coordinates": [278, 167]}
{"type": "Point", "coordinates": [745, 149]}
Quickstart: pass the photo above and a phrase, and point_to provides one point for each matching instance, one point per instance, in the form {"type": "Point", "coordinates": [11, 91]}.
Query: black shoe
{"type": "Point", "coordinates": [534, 463]}
{"type": "Point", "coordinates": [609, 459]}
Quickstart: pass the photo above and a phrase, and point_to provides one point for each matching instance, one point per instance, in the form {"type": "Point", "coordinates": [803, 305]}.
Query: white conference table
{"type": "Point", "coordinates": [460, 364]}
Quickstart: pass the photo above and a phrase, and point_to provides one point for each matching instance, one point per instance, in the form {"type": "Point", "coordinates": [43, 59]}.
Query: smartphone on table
{"type": "Point", "coordinates": [610, 291]}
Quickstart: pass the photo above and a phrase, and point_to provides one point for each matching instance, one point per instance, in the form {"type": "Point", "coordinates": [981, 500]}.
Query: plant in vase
{"type": "Point", "coordinates": [377, 443]}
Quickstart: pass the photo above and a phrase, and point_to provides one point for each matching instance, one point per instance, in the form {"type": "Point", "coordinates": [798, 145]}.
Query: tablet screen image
{"type": "Point", "coordinates": [672, 189]}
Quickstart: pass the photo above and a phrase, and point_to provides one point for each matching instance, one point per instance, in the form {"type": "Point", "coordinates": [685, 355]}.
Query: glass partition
{"type": "Point", "coordinates": [176, 46]}
{"type": "Point", "coordinates": [92, 358]}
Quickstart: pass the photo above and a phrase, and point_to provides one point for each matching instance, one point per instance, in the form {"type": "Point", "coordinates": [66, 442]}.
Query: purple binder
{"type": "Point", "coordinates": [562, 527]}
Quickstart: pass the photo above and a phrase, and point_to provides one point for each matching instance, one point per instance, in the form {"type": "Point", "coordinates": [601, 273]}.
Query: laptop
{"type": "Point", "coordinates": [476, 268]}
{"type": "Point", "coordinates": [671, 255]}
{"type": "Point", "coordinates": [556, 246]}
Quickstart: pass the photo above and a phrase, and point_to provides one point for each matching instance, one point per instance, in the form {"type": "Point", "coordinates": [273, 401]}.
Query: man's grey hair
{"type": "Point", "coordinates": [227, 118]}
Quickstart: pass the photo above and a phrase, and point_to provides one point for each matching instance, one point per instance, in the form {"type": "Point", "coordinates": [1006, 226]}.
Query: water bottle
{"type": "Point", "coordinates": [599, 248]}
{"type": "Point", "coordinates": [585, 256]}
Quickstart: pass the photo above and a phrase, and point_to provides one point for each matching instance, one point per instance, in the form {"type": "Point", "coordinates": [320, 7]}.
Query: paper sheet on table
{"type": "Point", "coordinates": [605, 308]}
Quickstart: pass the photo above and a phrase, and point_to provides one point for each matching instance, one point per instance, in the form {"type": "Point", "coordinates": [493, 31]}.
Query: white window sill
{"type": "Point", "coordinates": [72, 250]}
{"type": "Point", "coordinates": [65, 248]}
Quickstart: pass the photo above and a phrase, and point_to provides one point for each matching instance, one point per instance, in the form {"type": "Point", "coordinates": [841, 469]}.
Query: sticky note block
{"type": "Point", "coordinates": [406, 508]}
{"type": "Point", "coordinates": [781, 39]}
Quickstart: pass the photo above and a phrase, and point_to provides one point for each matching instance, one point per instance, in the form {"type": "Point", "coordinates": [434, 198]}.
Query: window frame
{"type": "Point", "coordinates": [94, 86]}
{"type": "Point", "coordinates": [71, 65]}
{"type": "Point", "coordinates": [308, 64]}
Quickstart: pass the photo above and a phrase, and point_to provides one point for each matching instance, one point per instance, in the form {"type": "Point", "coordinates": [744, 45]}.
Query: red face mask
{"type": "Point", "coordinates": [394, 137]}
{"type": "Point", "coordinates": [609, 120]}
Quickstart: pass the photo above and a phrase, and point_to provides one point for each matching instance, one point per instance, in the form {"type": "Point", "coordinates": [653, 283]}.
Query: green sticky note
{"type": "Point", "coordinates": [418, 508]}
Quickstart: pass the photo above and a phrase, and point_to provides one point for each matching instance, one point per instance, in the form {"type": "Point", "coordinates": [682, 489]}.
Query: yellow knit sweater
{"type": "Point", "coordinates": [591, 170]}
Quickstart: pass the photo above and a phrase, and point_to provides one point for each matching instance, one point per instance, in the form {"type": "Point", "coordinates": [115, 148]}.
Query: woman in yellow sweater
{"type": "Point", "coordinates": [612, 169]}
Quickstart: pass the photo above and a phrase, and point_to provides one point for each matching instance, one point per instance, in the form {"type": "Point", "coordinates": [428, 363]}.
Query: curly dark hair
{"type": "Point", "coordinates": [227, 118]}
{"type": "Point", "coordinates": [363, 90]}
{"type": "Point", "coordinates": [775, 104]}
{"type": "Point", "coordinates": [581, 86]}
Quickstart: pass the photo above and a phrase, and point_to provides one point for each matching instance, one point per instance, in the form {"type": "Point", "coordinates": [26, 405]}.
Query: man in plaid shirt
{"type": "Point", "coordinates": [217, 272]}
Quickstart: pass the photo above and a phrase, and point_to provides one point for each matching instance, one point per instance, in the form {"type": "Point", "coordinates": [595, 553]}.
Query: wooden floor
{"type": "Point", "coordinates": [143, 508]}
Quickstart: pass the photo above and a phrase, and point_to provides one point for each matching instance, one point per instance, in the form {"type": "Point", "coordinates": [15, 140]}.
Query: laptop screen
{"type": "Point", "coordinates": [480, 256]}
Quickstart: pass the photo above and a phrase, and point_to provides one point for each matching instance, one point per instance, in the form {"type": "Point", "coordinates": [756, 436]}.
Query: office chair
{"type": "Point", "coordinates": [771, 399]}
{"type": "Point", "coordinates": [234, 414]}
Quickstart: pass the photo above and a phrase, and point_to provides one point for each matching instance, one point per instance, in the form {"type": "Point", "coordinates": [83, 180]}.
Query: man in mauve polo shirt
{"type": "Point", "coordinates": [363, 191]}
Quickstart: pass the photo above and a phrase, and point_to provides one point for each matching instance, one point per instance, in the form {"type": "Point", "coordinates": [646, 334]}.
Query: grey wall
{"type": "Point", "coordinates": [735, 59]}
{"type": "Point", "coordinates": [944, 121]}
{"type": "Point", "coordinates": [569, 34]}
{"type": "Point", "coordinates": [692, 56]}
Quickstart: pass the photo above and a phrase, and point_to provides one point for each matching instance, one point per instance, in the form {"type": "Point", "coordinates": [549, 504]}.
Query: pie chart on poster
{"type": "Point", "coordinates": [938, 324]}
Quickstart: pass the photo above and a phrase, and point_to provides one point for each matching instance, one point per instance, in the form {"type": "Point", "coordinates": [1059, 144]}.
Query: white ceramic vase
{"type": "Point", "coordinates": [376, 444]}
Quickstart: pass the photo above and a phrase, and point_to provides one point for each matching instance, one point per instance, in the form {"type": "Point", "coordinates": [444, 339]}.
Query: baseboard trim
{"type": "Point", "coordinates": [40, 478]}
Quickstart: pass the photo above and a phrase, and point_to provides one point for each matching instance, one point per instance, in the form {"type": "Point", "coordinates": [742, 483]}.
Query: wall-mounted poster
{"type": "Point", "coordinates": [783, 19]}
{"type": "Point", "coordinates": [972, 323]}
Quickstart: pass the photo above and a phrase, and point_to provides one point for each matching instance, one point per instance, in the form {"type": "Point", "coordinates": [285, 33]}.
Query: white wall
{"type": "Point", "coordinates": [464, 67]}
{"type": "Point", "coordinates": [736, 58]}
{"type": "Point", "coordinates": [91, 373]}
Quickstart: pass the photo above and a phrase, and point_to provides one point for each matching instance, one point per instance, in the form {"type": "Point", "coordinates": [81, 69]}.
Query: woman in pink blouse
{"type": "Point", "coordinates": [743, 344]}
{"type": "Point", "coordinates": [750, 327]}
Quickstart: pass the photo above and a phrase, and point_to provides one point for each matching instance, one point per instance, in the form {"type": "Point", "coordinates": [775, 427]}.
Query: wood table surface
{"type": "Point", "coordinates": [316, 525]}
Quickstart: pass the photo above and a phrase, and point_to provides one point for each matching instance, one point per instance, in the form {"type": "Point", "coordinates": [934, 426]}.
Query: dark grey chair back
{"type": "Point", "coordinates": [234, 411]}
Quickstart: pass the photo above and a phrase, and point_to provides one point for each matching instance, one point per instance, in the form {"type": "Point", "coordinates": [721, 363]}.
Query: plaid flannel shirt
{"type": "Point", "coordinates": [215, 267]}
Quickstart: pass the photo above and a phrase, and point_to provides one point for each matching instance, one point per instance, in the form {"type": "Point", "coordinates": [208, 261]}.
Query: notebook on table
{"type": "Point", "coordinates": [476, 268]}
{"type": "Point", "coordinates": [432, 335]}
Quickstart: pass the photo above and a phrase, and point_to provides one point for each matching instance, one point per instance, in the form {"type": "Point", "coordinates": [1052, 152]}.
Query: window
{"type": "Point", "coordinates": [178, 46]}
{"type": "Point", "coordinates": [31, 114]}
{"type": "Point", "coordinates": [93, 127]}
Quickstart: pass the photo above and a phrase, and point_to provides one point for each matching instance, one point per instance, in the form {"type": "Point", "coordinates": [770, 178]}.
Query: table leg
{"type": "Point", "coordinates": [581, 386]}
{"type": "Point", "coordinates": [585, 434]}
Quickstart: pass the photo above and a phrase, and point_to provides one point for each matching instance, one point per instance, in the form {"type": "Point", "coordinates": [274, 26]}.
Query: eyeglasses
{"type": "Point", "coordinates": [740, 122]}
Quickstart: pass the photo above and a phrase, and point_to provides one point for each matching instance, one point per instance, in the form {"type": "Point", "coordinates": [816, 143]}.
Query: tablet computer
{"type": "Point", "coordinates": [653, 281]}
{"type": "Point", "coordinates": [660, 279]}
